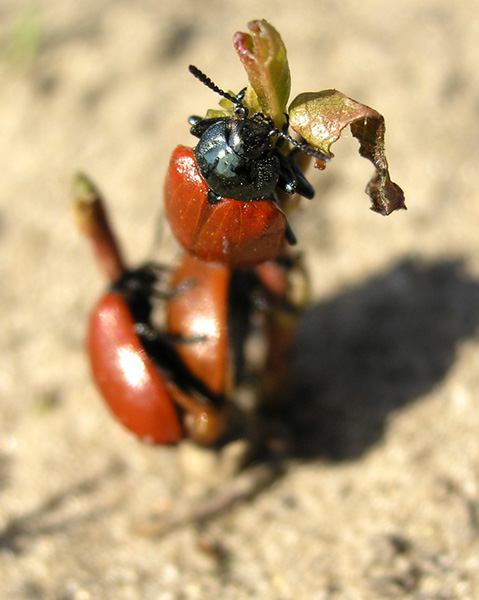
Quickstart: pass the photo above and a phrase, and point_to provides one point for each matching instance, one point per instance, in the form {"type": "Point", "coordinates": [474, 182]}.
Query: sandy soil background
{"type": "Point", "coordinates": [386, 503]}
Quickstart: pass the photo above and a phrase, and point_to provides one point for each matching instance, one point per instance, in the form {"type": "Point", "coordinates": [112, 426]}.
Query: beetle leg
{"type": "Point", "coordinates": [289, 235]}
{"type": "Point", "coordinates": [148, 332]}
{"type": "Point", "coordinates": [213, 197]}
{"type": "Point", "coordinates": [303, 187]}
{"type": "Point", "coordinates": [291, 178]}
{"type": "Point", "coordinates": [192, 339]}
{"type": "Point", "coordinates": [287, 179]}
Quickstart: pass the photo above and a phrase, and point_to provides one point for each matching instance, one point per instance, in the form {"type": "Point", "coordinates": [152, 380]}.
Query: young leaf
{"type": "Point", "coordinates": [320, 117]}
{"type": "Point", "coordinates": [263, 55]}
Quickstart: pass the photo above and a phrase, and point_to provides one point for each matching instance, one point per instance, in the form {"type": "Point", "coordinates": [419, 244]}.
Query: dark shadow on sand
{"type": "Point", "coordinates": [366, 353]}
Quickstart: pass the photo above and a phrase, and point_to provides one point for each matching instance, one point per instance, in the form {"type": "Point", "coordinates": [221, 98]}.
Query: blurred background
{"type": "Point", "coordinates": [384, 503]}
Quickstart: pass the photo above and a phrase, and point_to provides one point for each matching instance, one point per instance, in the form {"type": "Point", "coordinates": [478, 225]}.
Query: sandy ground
{"type": "Point", "coordinates": [386, 502]}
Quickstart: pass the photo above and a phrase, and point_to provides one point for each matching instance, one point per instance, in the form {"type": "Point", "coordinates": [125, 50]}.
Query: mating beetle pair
{"type": "Point", "coordinates": [140, 371]}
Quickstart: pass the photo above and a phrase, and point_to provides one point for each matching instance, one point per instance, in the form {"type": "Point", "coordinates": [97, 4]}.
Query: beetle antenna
{"type": "Point", "coordinates": [207, 81]}
{"type": "Point", "coordinates": [306, 148]}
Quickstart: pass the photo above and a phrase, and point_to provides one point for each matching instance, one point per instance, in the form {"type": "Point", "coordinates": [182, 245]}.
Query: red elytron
{"type": "Point", "coordinates": [129, 381]}
{"type": "Point", "coordinates": [201, 309]}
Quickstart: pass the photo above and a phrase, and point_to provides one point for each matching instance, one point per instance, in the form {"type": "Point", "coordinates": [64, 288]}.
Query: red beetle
{"type": "Point", "coordinates": [234, 233]}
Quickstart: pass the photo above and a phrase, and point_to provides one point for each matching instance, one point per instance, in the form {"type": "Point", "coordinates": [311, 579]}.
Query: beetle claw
{"type": "Point", "coordinates": [213, 198]}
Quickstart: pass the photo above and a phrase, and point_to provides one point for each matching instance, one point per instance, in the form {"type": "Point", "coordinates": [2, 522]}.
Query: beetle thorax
{"type": "Point", "coordinates": [249, 139]}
